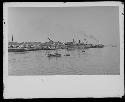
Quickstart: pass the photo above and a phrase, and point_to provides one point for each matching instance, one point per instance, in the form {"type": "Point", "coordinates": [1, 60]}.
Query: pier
{"type": "Point", "coordinates": [33, 46]}
{"type": "Point", "coordinates": [50, 45]}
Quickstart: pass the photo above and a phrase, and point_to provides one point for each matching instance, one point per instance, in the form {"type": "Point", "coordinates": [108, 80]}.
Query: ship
{"type": "Point", "coordinates": [16, 49]}
{"type": "Point", "coordinates": [56, 54]}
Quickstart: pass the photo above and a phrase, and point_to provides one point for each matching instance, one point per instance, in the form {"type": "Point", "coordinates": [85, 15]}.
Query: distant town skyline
{"type": "Point", "coordinates": [63, 24]}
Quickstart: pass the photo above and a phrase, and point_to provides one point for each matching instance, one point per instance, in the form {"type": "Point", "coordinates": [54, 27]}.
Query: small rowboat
{"type": "Point", "coordinates": [67, 55]}
{"type": "Point", "coordinates": [54, 55]}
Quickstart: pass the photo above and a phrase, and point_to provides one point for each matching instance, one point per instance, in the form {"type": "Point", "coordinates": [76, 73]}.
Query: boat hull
{"type": "Point", "coordinates": [16, 50]}
{"type": "Point", "coordinates": [54, 55]}
{"type": "Point", "coordinates": [67, 55]}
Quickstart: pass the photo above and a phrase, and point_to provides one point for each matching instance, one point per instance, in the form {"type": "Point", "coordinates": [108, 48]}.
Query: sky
{"type": "Point", "coordinates": [63, 24]}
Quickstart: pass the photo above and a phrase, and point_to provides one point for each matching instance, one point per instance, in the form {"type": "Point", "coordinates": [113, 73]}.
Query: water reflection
{"type": "Point", "coordinates": [56, 58]}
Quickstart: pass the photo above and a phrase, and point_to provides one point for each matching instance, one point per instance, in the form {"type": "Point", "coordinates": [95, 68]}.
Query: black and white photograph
{"type": "Point", "coordinates": [63, 41]}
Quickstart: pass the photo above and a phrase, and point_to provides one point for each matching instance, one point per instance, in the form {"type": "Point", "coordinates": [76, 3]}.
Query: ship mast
{"type": "Point", "coordinates": [12, 38]}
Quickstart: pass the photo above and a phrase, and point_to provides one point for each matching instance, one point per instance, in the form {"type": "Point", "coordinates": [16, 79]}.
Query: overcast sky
{"type": "Point", "coordinates": [63, 23]}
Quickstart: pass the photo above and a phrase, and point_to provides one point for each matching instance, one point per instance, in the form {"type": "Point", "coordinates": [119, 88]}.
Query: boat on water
{"type": "Point", "coordinates": [67, 55]}
{"type": "Point", "coordinates": [16, 50]}
{"type": "Point", "coordinates": [114, 46]}
{"type": "Point", "coordinates": [83, 51]}
{"type": "Point", "coordinates": [54, 55]}
{"type": "Point", "coordinates": [93, 46]}
{"type": "Point", "coordinates": [20, 49]}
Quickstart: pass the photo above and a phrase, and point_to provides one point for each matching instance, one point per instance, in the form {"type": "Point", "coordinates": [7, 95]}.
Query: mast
{"type": "Point", "coordinates": [12, 38]}
{"type": "Point", "coordinates": [73, 39]}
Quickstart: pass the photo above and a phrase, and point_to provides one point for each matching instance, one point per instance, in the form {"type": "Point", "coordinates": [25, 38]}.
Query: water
{"type": "Point", "coordinates": [94, 61]}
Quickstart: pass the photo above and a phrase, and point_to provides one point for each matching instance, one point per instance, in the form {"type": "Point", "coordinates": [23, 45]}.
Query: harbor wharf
{"type": "Point", "coordinates": [32, 46]}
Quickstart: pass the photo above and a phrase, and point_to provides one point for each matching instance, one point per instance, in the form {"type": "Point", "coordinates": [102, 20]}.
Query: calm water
{"type": "Point", "coordinates": [94, 61]}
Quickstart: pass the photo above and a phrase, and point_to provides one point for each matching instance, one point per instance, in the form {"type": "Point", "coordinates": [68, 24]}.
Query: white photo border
{"type": "Point", "coordinates": [54, 86]}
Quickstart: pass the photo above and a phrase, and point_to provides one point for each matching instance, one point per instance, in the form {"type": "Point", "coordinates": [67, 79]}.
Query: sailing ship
{"type": "Point", "coordinates": [67, 53]}
{"type": "Point", "coordinates": [56, 54]}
